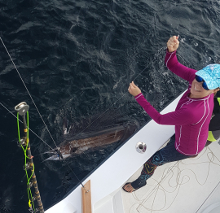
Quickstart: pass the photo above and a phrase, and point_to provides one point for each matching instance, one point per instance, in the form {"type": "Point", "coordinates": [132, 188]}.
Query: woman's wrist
{"type": "Point", "coordinates": [137, 96]}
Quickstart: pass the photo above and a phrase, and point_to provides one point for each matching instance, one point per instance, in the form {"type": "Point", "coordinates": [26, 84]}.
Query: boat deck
{"type": "Point", "coordinates": [191, 185]}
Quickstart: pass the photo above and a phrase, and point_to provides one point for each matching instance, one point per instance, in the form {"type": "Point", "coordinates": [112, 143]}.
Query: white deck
{"type": "Point", "coordinates": [191, 185]}
{"type": "Point", "coordinates": [185, 186]}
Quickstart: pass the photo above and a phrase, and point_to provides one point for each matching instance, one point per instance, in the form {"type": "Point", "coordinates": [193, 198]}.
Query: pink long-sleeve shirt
{"type": "Point", "coordinates": [191, 116]}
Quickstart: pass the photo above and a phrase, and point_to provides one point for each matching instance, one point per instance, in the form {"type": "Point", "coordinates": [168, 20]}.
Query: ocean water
{"type": "Point", "coordinates": [77, 59]}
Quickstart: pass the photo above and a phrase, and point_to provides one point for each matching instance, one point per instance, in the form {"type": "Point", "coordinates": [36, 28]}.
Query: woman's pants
{"type": "Point", "coordinates": [165, 155]}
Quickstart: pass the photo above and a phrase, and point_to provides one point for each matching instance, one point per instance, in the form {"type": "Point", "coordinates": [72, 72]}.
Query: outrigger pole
{"type": "Point", "coordinates": [22, 110]}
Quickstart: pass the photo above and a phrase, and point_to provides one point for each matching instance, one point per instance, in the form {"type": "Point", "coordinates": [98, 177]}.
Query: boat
{"type": "Point", "coordinates": [193, 186]}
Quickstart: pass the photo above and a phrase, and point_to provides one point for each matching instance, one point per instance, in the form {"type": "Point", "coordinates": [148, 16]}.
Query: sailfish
{"type": "Point", "coordinates": [89, 140]}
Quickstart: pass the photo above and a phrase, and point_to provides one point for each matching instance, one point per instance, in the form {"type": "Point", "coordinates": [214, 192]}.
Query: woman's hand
{"type": "Point", "coordinates": [133, 89]}
{"type": "Point", "coordinates": [173, 44]}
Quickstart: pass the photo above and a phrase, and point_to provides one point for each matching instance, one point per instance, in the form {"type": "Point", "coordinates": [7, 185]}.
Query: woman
{"type": "Point", "coordinates": [191, 116]}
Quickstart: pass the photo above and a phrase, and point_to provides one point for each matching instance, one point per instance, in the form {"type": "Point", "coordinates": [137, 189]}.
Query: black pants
{"type": "Point", "coordinates": [165, 155]}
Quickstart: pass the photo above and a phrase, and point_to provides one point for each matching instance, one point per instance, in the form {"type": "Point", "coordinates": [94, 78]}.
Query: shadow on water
{"type": "Point", "coordinates": [77, 59]}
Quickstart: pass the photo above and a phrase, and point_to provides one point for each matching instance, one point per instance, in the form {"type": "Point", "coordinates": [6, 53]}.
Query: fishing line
{"type": "Point", "coordinates": [163, 48]}
{"type": "Point", "coordinates": [42, 117]}
{"type": "Point", "coordinates": [101, 116]}
{"type": "Point", "coordinates": [36, 109]}
{"type": "Point", "coordinates": [42, 141]}
{"type": "Point", "coordinates": [28, 91]}
{"type": "Point", "coordinates": [29, 128]}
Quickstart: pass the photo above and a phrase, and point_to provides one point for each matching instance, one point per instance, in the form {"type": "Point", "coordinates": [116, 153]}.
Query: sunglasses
{"type": "Point", "coordinates": [199, 79]}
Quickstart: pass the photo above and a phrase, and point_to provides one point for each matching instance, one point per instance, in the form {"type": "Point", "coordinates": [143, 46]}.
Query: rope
{"type": "Point", "coordinates": [28, 91]}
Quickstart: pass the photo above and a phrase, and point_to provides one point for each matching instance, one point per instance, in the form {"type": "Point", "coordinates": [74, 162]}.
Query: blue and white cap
{"type": "Point", "coordinates": [211, 75]}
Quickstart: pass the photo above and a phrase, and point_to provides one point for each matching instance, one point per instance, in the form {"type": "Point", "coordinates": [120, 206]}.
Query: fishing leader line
{"type": "Point", "coordinates": [28, 92]}
{"type": "Point", "coordinates": [163, 48]}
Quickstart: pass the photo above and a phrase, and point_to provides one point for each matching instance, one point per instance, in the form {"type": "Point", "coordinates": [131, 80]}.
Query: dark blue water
{"type": "Point", "coordinates": [77, 59]}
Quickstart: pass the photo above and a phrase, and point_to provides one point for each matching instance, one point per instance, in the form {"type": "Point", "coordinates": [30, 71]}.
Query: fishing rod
{"type": "Point", "coordinates": [22, 110]}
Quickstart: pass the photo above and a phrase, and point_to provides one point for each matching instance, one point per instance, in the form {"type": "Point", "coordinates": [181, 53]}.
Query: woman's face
{"type": "Point", "coordinates": [197, 90]}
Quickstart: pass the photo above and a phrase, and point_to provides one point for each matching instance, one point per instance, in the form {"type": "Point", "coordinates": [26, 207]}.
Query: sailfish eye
{"type": "Point", "coordinates": [73, 150]}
